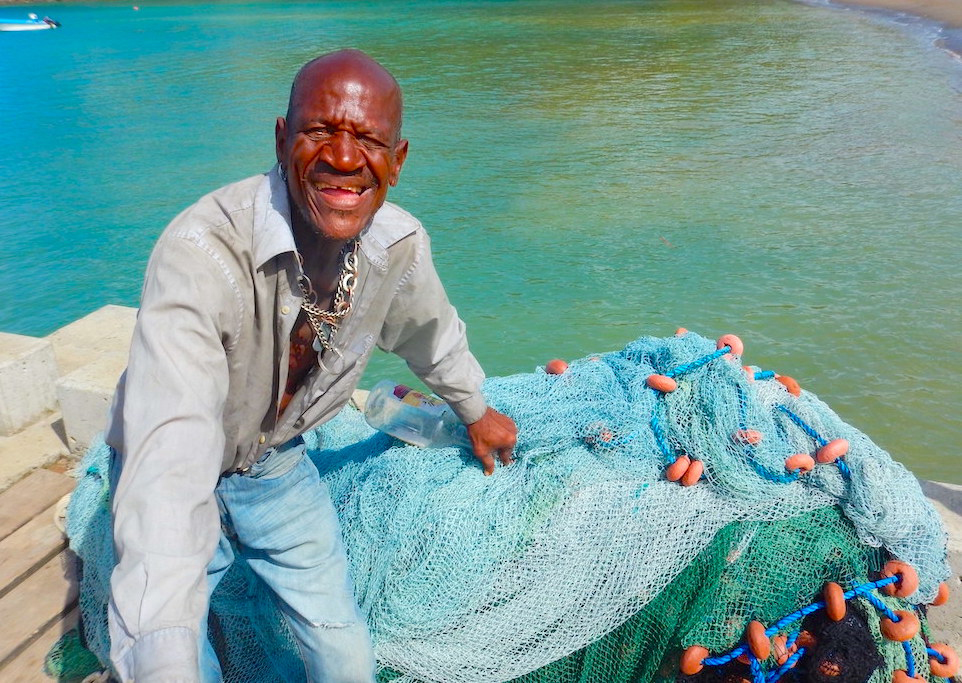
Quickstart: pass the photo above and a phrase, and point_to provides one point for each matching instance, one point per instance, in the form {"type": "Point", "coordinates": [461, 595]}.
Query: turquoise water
{"type": "Point", "coordinates": [589, 173]}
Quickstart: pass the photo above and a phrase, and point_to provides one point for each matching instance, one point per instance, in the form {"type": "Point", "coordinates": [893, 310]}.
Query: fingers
{"type": "Point", "coordinates": [494, 433]}
{"type": "Point", "coordinates": [487, 461]}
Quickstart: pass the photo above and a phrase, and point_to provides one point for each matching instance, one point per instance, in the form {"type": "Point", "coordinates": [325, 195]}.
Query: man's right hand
{"type": "Point", "coordinates": [494, 433]}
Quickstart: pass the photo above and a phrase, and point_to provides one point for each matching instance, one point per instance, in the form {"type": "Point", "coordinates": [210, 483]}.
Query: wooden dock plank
{"type": "Point", "coordinates": [27, 667]}
{"type": "Point", "coordinates": [28, 548]}
{"type": "Point", "coordinates": [37, 602]}
{"type": "Point", "coordinates": [29, 497]}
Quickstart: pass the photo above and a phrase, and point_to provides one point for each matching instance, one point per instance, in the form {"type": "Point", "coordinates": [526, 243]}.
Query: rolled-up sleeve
{"type": "Point", "coordinates": [166, 523]}
{"type": "Point", "coordinates": [424, 329]}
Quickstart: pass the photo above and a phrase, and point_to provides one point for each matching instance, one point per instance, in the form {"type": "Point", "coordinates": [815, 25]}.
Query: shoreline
{"type": "Point", "coordinates": [946, 12]}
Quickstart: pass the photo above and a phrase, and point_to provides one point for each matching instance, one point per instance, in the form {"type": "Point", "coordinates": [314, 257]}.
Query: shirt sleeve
{"type": "Point", "coordinates": [424, 329]}
{"type": "Point", "coordinates": [166, 522]}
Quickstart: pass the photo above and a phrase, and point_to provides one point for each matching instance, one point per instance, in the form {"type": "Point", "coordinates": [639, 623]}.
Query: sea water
{"type": "Point", "coordinates": [589, 173]}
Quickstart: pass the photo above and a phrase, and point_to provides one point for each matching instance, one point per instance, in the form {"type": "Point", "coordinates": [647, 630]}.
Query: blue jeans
{"type": "Point", "coordinates": [287, 531]}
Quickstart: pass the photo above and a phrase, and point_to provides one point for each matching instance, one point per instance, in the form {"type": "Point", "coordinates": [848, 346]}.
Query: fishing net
{"type": "Point", "coordinates": [583, 561]}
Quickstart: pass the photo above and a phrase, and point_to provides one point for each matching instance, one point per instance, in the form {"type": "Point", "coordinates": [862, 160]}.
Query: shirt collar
{"type": "Point", "coordinates": [273, 234]}
{"type": "Point", "coordinates": [272, 219]}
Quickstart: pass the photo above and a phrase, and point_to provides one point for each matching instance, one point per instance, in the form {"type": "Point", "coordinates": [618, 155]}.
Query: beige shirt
{"type": "Point", "coordinates": [208, 366]}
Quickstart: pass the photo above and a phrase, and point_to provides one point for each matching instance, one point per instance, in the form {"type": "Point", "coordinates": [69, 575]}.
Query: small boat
{"type": "Point", "coordinates": [31, 23]}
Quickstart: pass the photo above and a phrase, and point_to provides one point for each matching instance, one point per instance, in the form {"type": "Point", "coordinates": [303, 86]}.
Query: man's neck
{"type": "Point", "coordinates": [319, 253]}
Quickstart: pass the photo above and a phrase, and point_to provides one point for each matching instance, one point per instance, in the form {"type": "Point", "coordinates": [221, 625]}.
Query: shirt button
{"type": "Point", "coordinates": [263, 439]}
{"type": "Point", "coordinates": [285, 309]}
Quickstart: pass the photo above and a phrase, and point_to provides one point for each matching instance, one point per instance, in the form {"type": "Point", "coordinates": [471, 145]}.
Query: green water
{"type": "Point", "coordinates": [589, 172]}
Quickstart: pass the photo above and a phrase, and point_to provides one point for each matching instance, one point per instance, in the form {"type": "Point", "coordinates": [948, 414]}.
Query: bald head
{"type": "Point", "coordinates": [345, 67]}
{"type": "Point", "coordinates": [340, 146]}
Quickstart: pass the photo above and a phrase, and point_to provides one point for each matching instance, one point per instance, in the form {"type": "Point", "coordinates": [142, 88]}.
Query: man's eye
{"type": "Point", "coordinates": [320, 133]}
{"type": "Point", "coordinates": [371, 143]}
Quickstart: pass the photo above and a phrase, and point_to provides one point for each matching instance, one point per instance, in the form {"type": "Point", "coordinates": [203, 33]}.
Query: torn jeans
{"type": "Point", "coordinates": [283, 523]}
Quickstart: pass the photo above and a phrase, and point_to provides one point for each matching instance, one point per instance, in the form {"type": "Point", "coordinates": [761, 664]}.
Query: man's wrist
{"type": "Point", "coordinates": [470, 409]}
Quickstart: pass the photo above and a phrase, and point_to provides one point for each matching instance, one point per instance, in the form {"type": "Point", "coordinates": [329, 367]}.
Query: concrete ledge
{"type": "Point", "coordinates": [28, 370]}
{"type": "Point", "coordinates": [40, 444]}
{"type": "Point", "coordinates": [106, 330]}
{"type": "Point", "coordinates": [946, 621]}
{"type": "Point", "coordinates": [85, 395]}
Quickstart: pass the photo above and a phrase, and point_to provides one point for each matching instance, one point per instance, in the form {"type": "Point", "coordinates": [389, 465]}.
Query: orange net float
{"type": "Point", "coordinates": [832, 451]}
{"type": "Point", "coordinates": [661, 383]}
{"type": "Point", "coordinates": [834, 598]}
{"type": "Point", "coordinates": [908, 579]}
{"type": "Point", "coordinates": [789, 383]}
{"type": "Point", "coordinates": [678, 468]}
{"type": "Point", "coordinates": [733, 342]}
{"type": "Point", "coordinates": [556, 367]}
{"type": "Point", "coordinates": [692, 660]}
{"type": "Point", "coordinates": [805, 639]}
{"type": "Point", "coordinates": [902, 676]}
{"type": "Point", "coordinates": [800, 461]}
{"type": "Point", "coordinates": [942, 596]}
{"type": "Point", "coordinates": [757, 641]}
{"type": "Point", "coordinates": [949, 666]}
{"type": "Point", "coordinates": [749, 372]}
{"type": "Point", "coordinates": [681, 332]}
{"type": "Point", "coordinates": [829, 669]}
{"type": "Point", "coordinates": [781, 650]}
{"type": "Point", "coordinates": [693, 473]}
{"type": "Point", "coordinates": [904, 629]}
{"type": "Point", "coordinates": [747, 436]}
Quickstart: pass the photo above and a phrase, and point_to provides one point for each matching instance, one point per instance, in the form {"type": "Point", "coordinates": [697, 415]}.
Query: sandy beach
{"type": "Point", "coordinates": [948, 12]}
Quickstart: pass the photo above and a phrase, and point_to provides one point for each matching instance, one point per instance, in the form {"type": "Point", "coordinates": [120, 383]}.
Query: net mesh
{"type": "Point", "coordinates": [581, 562]}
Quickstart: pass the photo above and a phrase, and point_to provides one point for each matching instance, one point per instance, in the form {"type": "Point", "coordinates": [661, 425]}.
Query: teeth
{"type": "Point", "coordinates": [355, 190]}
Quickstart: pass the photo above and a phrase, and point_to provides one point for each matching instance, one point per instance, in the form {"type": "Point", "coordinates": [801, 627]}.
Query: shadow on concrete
{"type": "Point", "coordinates": [61, 431]}
{"type": "Point", "coordinates": [949, 495]}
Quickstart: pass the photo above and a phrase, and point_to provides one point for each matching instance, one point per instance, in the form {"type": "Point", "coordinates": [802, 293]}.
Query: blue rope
{"type": "Point", "coordinates": [935, 653]}
{"type": "Point", "coordinates": [757, 674]}
{"type": "Point", "coordinates": [660, 438]}
{"type": "Point", "coordinates": [794, 616]}
{"type": "Point", "coordinates": [909, 659]}
{"type": "Point", "coordinates": [803, 425]}
{"type": "Point", "coordinates": [764, 374]}
{"type": "Point", "coordinates": [682, 369]}
{"type": "Point", "coordinates": [789, 663]}
{"type": "Point", "coordinates": [742, 411]}
{"type": "Point", "coordinates": [839, 462]}
{"type": "Point", "coordinates": [882, 607]}
{"type": "Point", "coordinates": [725, 658]}
{"type": "Point", "coordinates": [862, 589]}
{"type": "Point", "coordinates": [777, 478]}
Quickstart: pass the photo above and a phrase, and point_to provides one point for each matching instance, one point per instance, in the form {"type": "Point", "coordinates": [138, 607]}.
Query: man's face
{"type": "Point", "coordinates": [340, 146]}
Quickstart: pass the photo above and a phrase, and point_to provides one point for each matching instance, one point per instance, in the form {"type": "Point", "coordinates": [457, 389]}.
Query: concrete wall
{"type": "Point", "coordinates": [55, 391]}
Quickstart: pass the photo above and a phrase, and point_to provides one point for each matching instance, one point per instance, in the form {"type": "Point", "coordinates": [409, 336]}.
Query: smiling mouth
{"type": "Point", "coordinates": [341, 196]}
{"type": "Point", "coordinates": [338, 189]}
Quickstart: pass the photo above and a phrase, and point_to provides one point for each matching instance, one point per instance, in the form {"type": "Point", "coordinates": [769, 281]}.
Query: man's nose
{"type": "Point", "coordinates": [343, 152]}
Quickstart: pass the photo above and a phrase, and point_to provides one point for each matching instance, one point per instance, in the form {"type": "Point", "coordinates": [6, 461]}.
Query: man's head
{"type": "Point", "coordinates": [340, 143]}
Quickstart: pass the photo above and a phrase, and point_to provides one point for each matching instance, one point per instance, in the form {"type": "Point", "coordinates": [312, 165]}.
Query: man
{"type": "Point", "coordinates": [260, 309]}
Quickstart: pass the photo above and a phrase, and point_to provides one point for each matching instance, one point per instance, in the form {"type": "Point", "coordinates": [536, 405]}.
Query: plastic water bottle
{"type": "Point", "coordinates": [414, 417]}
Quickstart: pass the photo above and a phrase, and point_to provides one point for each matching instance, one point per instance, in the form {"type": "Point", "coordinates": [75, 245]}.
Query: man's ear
{"type": "Point", "coordinates": [280, 139]}
{"type": "Point", "coordinates": [400, 154]}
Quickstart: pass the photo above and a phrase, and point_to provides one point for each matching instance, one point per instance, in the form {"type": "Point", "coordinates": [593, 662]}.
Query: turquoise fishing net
{"type": "Point", "coordinates": [580, 561]}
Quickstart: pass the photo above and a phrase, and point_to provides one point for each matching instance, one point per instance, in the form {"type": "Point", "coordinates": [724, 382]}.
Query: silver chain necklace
{"type": "Point", "coordinates": [324, 322]}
